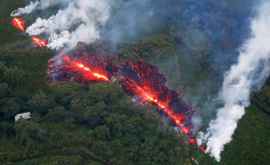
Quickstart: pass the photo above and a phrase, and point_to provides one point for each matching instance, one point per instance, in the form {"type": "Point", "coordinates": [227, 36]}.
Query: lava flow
{"type": "Point", "coordinates": [87, 72]}
{"type": "Point", "coordinates": [148, 85]}
{"type": "Point", "coordinates": [19, 24]}
{"type": "Point", "coordinates": [39, 42]}
{"type": "Point", "coordinates": [82, 70]}
{"type": "Point", "coordinates": [138, 79]}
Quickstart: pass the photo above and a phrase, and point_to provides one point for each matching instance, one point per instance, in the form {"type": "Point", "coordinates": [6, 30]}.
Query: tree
{"type": "Point", "coordinates": [9, 107]}
{"type": "Point", "coordinates": [41, 103]}
{"type": "Point", "coordinates": [13, 75]}
{"type": "Point", "coordinates": [4, 90]}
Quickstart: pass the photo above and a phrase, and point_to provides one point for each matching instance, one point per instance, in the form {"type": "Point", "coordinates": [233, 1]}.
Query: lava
{"type": "Point", "coordinates": [19, 24]}
{"type": "Point", "coordinates": [146, 95]}
{"type": "Point", "coordinates": [146, 83]}
{"type": "Point", "coordinates": [39, 42]}
{"type": "Point", "coordinates": [82, 70]}
{"type": "Point", "coordinates": [138, 79]}
{"type": "Point", "coordinates": [87, 72]}
{"type": "Point", "coordinates": [192, 141]}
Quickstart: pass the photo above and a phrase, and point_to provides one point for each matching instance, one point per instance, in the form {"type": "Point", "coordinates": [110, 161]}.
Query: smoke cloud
{"type": "Point", "coordinates": [79, 21]}
{"type": "Point", "coordinates": [26, 10]}
{"type": "Point", "coordinates": [247, 75]}
{"type": "Point", "coordinates": [37, 5]}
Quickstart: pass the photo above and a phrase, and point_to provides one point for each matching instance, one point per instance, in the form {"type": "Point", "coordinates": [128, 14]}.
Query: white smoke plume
{"type": "Point", "coordinates": [79, 21]}
{"type": "Point", "coordinates": [25, 10]}
{"type": "Point", "coordinates": [248, 74]}
{"type": "Point", "coordinates": [37, 5]}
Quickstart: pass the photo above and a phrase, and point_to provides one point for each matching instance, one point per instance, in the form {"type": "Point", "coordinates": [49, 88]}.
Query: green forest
{"type": "Point", "coordinates": [99, 124]}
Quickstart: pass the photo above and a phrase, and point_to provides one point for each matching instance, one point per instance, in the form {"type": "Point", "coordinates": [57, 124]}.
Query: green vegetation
{"type": "Point", "coordinates": [98, 124]}
{"type": "Point", "coordinates": [93, 125]}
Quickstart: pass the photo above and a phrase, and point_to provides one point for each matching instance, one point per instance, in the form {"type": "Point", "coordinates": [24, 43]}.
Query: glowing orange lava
{"type": "Point", "coordinates": [146, 95]}
{"type": "Point", "coordinates": [39, 42]}
{"type": "Point", "coordinates": [92, 74]}
{"type": "Point", "coordinates": [18, 23]}
{"type": "Point", "coordinates": [192, 141]}
{"type": "Point", "coordinates": [139, 80]}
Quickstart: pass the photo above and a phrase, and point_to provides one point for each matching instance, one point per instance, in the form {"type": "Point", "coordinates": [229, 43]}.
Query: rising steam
{"type": "Point", "coordinates": [248, 74]}
{"type": "Point", "coordinates": [79, 21]}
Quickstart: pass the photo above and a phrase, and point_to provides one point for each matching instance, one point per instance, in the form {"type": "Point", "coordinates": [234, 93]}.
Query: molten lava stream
{"type": "Point", "coordinates": [39, 42]}
{"type": "Point", "coordinates": [18, 23]}
{"type": "Point", "coordinates": [87, 72]}
{"type": "Point", "coordinates": [147, 95]}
